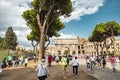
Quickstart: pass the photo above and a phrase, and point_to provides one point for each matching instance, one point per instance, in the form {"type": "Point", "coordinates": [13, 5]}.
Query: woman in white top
{"type": "Point", "coordinates": [88, 62]}
{"type": "Point", "coordinates": [75, 65]}
{"type": "Point", "coordinates": [42, 70]}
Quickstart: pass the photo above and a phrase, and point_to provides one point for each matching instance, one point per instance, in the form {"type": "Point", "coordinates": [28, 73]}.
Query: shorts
{"type": "Point", "coordinates": [64, 66]}
{"type": "Point", "coordinates": [113, 65]}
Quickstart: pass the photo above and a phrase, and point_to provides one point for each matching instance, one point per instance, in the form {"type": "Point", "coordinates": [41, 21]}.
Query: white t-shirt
{"type": "Point", "coordinates": [87, 60]}
{"type": "Point", "coordinates": [75, 62]}
{"type": "Point", "coordinates": [57, 58]}
{"type": "Point", "coordinates": [92, 58]}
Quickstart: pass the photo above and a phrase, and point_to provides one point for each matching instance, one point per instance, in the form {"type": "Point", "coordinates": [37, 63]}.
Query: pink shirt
{"type": "Point", "coordinates": [113, 59]}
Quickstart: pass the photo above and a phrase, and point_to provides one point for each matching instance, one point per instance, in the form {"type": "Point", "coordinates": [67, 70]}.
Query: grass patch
{"type": "Point", "coordinates": [3, 54]}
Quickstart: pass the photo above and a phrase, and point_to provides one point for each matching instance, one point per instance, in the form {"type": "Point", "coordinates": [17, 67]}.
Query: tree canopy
{"type": "Point", "coordinates": [44, 18]}
{"type": "Point", "coordinates": [103, 31]}
{"type": "Point", "coordinates": [10, 40]}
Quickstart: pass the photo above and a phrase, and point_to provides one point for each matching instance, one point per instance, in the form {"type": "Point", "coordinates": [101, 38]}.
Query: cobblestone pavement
{"type": "Point", "coordinates": [101, 74]}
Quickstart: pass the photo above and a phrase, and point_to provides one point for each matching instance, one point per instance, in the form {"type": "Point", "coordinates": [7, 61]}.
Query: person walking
{"type": "Point", "coordinates": [88, 62]}
{"type": "Point", "coordinates": [57, 59]}
{"type": "Point", "coordinates": [98, 60]}
{"type": "Point", "coordinates": [42, 70]}
{"type": "Point", "coordinates": [92, 62]}
{"type": "Point", "coordinates": [103, 62]}
{"type": "Point", "coordinates": [49, 60]}
{"type": "Point", "coordinates": [75, 65]}
{"type": "Point", "coordinates": [113, 61]}
{"type": "Point", "coordinates": [64, 63]}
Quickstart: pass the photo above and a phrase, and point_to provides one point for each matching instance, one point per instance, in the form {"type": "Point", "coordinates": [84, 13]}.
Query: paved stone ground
{"type": "Point", "coordinates": [101, 74]}
{"type": "Point", "coordinates": [97, 73]}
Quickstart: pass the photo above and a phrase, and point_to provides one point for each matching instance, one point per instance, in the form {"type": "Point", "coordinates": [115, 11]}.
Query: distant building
{"type": "Point", "coordinates": [80, 46]}
{"type": "Point", "coordinates": [70, 44]}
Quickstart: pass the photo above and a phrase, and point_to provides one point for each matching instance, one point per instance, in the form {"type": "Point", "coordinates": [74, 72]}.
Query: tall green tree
{"type": "Point", "coordinates": [103, 31]}
{"type": "Point", "coordinates": [97, 37]}
{"type": "Point", "coordinates": [112, 29]}
{"type": "Point", "coordinates": [1, 42]}
{"type": "Point", "coordinates": [10, 39]}
{"type": "Point", "coordinates": [47, 13]}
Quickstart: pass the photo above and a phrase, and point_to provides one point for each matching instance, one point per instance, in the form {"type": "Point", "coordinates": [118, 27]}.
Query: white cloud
{"type": "Point", "coordinates": [11, 11]}
{"type": "Point", "coordinates": [83, 7]}
{"type": "Point", "coordinates": [62, 35]}
{"type": "Point", "coordinates": [11, 15]}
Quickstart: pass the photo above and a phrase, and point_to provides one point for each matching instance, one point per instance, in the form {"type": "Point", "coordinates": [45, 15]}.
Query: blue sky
{"type": "Point", "coordinates": [108, 12]}
{"type": "Point", "coordinates": [86, 14]}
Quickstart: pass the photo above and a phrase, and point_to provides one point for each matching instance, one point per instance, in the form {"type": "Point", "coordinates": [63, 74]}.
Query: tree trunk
{"type": "Point", "coordinates": [41, 45]}
{"type": "Point", "coordinates": [42, 27]}
{"type": "Point", "coordinates": [97, 50]}
{"type": "Point", "coordinates": [33, 45]}
{"type": "Point", "coordinates": [96, 47]}
{"type": "Point", "coordinates": [102, 47]}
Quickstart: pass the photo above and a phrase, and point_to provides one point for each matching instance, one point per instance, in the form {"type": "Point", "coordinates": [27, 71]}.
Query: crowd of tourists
{"type": "Point", "coordinates": [101, 61]}
{"type": "Point", "coordinates": [66, 60]}
{"type": "Point", "coordinates": [14, 61]}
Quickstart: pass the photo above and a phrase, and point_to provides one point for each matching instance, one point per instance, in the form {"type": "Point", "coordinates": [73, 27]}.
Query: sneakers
{"type": "Point", "coordinates": [75, 74]}
{"type": "Point", "coordinates": [88, 69]}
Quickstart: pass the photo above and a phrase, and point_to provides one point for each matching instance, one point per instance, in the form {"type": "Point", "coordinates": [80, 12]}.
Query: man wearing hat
{"type": "Point", "coordinates": [42, 70]}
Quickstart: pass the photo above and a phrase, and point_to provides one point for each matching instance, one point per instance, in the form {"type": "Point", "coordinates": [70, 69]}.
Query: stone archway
{"type": "Point", "coordinates": [68, 49]}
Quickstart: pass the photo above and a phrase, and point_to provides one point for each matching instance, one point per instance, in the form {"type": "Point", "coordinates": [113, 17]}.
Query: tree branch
{"type": "Point", "coordinates": [47, 16]}
{"type": "Point", "coordinates": [38, 13]}
{"type": "Point", "coordinates": [48, 43]}
{"type": "Point", "coordinates": [47, 26]}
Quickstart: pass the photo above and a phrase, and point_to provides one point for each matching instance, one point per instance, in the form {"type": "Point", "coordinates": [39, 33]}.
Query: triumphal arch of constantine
{"type": "Point", "coordinates": [75, 45]}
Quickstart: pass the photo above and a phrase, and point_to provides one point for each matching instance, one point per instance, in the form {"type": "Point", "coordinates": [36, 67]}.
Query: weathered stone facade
{"type": "Point", "coordinates": [75, 45]}
{"type": "Point", "coordinates": [70, 44]}
{"type": "Point", "coordinates": [80, 46]}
